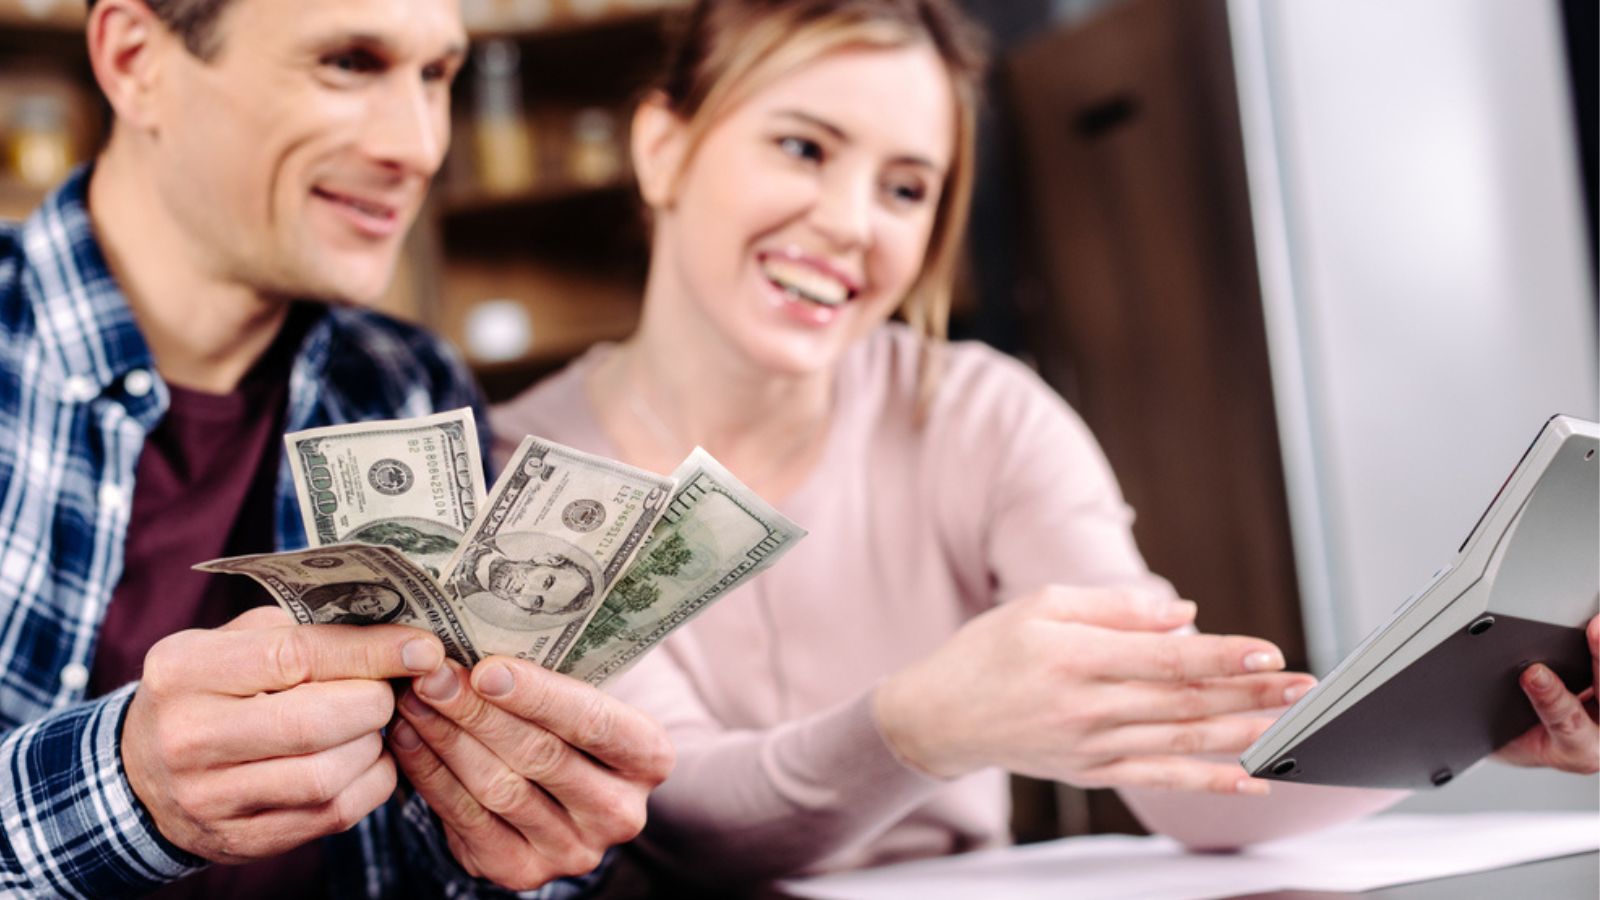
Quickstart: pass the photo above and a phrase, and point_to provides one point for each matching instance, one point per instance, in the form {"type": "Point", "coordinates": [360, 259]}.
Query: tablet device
{"type": "Point", "coordinates": [1434, 690]}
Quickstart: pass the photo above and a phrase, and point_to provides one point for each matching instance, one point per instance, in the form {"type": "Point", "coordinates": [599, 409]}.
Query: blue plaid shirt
{"type": "Point", "coordinates": [72, 424]}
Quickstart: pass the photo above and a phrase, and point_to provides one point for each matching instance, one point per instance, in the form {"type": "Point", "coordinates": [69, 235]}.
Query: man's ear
{"type": "Point", "coordinates": [126, 46]}
{"type": "Point", "coordinates": [658, 139]}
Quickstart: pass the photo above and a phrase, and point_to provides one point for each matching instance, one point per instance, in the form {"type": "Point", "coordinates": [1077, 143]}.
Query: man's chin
{"type": "Point", "coordinates": [349, 289]}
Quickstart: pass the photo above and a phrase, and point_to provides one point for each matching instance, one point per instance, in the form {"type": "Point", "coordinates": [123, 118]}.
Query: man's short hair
{"type": "Point", "coordinates": [193, 20]}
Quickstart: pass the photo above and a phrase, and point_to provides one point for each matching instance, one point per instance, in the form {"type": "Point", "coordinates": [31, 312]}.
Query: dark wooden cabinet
{"type": "Point", "coordinates": [1141, 303]}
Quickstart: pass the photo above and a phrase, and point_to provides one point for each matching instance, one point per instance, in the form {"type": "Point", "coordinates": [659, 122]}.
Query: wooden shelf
{"type": "Point", "coordinates": [464, 202]}
{"type": "Point", "coordinates": [563, 17]}
{"type": "Point", "coordinates": [60, 16]}
{"type": "Point", "coordinates": [18, 200]}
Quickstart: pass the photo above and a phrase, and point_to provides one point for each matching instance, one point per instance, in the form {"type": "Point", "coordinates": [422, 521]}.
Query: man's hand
{"type": "Point", "coordinates": [1567, 737]}
{"type": "Point", "coordinates": [252, 739]}
{"type": "Point", "coordinates": [533, 774]}
{"type": "Point", "coordinates": [1088, 686]}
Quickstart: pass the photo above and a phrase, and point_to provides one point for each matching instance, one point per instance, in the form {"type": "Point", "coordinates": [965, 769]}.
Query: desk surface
{"type": "Point", "coordinates": [1398, 857]}
{"type": "Point", "coordinates": [1576, 877]}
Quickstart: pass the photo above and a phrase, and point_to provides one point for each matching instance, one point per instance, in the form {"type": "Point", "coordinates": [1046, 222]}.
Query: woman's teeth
{"type": "Point", "coordinates": [805, 283]}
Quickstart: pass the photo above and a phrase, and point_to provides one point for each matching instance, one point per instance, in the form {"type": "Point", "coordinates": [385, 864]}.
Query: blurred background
{"type": "Point", "coordinates": [1314, 271]}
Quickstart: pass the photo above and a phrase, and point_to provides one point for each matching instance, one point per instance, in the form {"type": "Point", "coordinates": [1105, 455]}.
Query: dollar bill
{"type": "Point", "coordinates": [556, 533]}
{"type": "Point", "coordinates": [715, 535]}
{"type": "Point", "coordinates": [411, 484]}
{"type": "Point", "coordinates": [354, 584]}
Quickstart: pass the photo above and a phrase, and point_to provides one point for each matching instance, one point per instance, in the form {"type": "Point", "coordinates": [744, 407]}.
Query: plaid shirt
{"type": "Point", "coordinates": [78, 394]}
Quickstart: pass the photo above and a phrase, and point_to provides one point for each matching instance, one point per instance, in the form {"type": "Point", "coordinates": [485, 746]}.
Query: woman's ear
{"type": "Point", "coordinates": [658, 139]}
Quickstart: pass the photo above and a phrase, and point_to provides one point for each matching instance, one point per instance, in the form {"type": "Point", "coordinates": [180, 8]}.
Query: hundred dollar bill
{"type": "Point", "coordinates": [556, 533]}
{"type": "Point", "coordinates": [715, 535]}
{"type": "Point", "coordinates": [411, 484]}
{"type": "Point", "coordinates": [354, 584]}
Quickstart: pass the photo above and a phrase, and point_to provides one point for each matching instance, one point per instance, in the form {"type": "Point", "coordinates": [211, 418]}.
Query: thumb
{"type": "Point", "coordinates": [1127, 608]}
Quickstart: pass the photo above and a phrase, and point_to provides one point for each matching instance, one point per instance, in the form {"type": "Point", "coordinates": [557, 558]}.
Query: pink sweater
{"type": "Point", "coordinates": [912, 532]}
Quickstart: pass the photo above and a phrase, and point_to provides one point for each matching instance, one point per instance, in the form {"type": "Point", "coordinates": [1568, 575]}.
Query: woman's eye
{"type": "Point", "coordinates": [800, 148]}
{"type": "Point", "coordinates": [908, 193]}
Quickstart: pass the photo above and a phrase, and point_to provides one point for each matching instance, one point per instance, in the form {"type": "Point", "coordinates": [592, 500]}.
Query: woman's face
{"type": "Point", "coordinates": [803, 218]}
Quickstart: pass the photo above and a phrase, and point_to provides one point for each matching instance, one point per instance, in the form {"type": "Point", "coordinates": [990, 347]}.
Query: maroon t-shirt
{"type": "Point", "coordinates": [205, 487]}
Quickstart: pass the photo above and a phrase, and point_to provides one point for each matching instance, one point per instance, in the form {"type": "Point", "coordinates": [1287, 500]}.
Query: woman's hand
{"type": "Point", "coordinates": [1091, 687]}
{"type": "Point", "coordinates": [1567, 736]}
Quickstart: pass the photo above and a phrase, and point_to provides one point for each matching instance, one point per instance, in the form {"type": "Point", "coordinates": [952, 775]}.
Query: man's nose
{"type": "Point", "coordinates": [409, 129]}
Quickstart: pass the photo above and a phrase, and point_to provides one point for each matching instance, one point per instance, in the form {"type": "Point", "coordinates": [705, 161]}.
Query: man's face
{"type": "Point", "coordinates": [369, 601]}
{"type": "Point", "coordinates": [295, 159]}
{"type": "Point", "coordinates": [536, 586]}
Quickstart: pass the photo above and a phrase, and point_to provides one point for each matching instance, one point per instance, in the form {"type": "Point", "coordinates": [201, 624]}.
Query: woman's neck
{"type": "Point", "coordinates": [678, 383]}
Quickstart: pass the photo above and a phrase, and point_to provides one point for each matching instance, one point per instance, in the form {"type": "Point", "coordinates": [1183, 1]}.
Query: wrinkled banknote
{"type": "Point", "coordinates": [558, 530]}
{"type": "Point", "coordinates": [715, 535]}
{"type": "Point", "coordinates": [354, 584]}
{"type": "Point", "coordinates": [411, 484]}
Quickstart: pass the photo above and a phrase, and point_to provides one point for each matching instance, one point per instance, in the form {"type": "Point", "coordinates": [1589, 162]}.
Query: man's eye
{"type": "Point", "coordinates": [801, 148]}
{"type": "Point", "coordinates": [355, 62]}
{"type": "Point", "coordinates": [438, 72]}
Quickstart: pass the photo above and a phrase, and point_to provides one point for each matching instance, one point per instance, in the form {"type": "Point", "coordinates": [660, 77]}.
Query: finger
{"type": "Point", "coordinates": [1176, 773]}
{"type": "Point", "coordinates": [492, 784]}
{"type": "Point", "coordinates": [275, 832]}
{"type": "Point", "coordinates": [1574, 737]}
{"type": "Point", "coordinates": [303, 720]}
{"type": "Point", "coordinates": [1121, 656]}
{"type": "Point", "coordinates": [248, 662]}
{"type": "Point", "coordinates": [1181, 701]}
{"type": "Point", "coordinates": [603, 727]}
{"type": "Point", "coordinates": [1593, 632]}
{"type": "Point", "coordinates": [297, 781]}
{"type": "Point", "coordinates": [532, 751]}
{"type": "Point", "coordinates": [1222, 735]}
{"type": "Point", "coordinates": [258, 617]}
{"type": "Point", "coordinates": [482, 841]}
{"type": "Point", "coordinates": [1130, 608]}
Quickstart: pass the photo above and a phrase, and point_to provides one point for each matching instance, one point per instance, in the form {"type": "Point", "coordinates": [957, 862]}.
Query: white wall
{"type": "Point", "coordinates": [1417, 197]}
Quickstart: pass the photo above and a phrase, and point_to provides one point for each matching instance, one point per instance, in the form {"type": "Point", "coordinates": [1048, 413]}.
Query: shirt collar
{"type": "Point", "coordinates": [83, 320]}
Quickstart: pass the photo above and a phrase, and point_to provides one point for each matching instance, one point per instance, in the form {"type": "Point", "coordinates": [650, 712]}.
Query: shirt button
{"type": "Point", "coordinates": [110, 496]}
{"type": "Point", "coordinates": [74, 676]}
{"type": "Point", "coordinates": [138, 383]}
{"type": "Point", "coordinates": [80, 388]}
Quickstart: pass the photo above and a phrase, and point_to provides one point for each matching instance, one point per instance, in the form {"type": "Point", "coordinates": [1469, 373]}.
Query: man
{"type": "Point", "coordinates": [153, 349]}
{"type": "Point", "coordinates": [360, 603]}
{"type": "Point", "coordinates": [526, 581]}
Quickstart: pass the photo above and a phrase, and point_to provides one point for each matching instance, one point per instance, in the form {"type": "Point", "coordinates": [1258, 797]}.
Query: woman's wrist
{"type": "Point", "coordinates": [896, 711]}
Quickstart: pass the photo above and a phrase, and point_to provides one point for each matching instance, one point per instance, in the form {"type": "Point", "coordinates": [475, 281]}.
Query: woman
{"type": "Point", "coordinates": [807, 166]}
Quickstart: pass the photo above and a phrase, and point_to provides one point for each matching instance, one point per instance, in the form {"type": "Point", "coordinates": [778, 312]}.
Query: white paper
{"type": "Point", "coordinates": [1360, 856]}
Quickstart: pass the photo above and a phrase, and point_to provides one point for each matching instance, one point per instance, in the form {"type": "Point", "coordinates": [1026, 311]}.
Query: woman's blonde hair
{"type": "Point", "coordinates": [729, 49]}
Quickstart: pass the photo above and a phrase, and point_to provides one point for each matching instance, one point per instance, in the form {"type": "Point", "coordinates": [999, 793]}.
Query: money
{"type": "Point", "coordinates": [555, 535]}
{"type": "Point", "coordinates": [354, 584]}
{"type": "Point", "coordinates": [412, 484]}
{"type": "Point", "coordinates": [715, 535]}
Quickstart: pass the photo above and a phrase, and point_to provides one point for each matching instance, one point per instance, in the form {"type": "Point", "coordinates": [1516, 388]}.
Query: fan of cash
{"type": "Point", "coordinates": [576, 562]}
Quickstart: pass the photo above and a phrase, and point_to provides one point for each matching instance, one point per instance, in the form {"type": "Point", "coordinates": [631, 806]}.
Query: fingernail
{"type": "Point", "coordinates": [1261, 661]}
{"type": "Point", "coordinates": [495, 681]}
{"type": "Point", "coordinates": [439, 685]}
{"type": "Point", "coordinates": [405, 737]}
{"type": "Point", "coordinates": [1181, 609]}
{"type": "Point", "coordinates": [421, 655]}
{"type": "Point", "coordinates": [1540, 676]}
{"type": "Point", "coordinates": [1292, 694]}
{"type": "Point", "coordinates": [415, 705]}
{"type": "Point", "coordinates": [1253, 786]}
